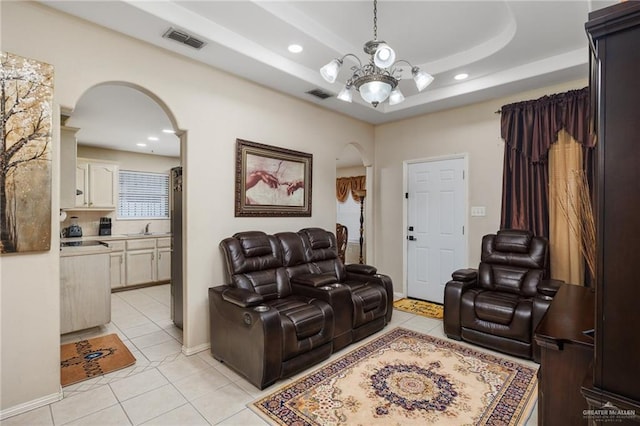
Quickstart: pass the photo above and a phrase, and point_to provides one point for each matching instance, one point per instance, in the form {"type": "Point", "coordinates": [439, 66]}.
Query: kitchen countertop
{"type": "Point", "coordinates": [76, 250]}
{"type": "Point", "coordinates": [83, 249]}
{"type": "Point", "coordinates": [116, 237]}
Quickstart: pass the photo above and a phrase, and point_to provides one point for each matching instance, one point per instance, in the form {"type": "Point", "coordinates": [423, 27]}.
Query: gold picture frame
{"type": "Point", "coordinates": [272, 181]}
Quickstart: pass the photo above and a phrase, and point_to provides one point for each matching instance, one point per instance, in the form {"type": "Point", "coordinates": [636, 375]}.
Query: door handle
{"type": "Point", "coordinates": [411, 238]}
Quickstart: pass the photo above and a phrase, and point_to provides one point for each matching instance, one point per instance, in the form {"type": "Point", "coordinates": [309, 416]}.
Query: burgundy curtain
{"type": "Point", "coordinates": [528, 129]}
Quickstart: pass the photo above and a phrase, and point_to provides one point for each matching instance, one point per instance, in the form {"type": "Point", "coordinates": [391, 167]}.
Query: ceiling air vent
{"type": "Point", "coordinates": [184, 38]}
{"type": "Point", "coordinates": [318, 93]}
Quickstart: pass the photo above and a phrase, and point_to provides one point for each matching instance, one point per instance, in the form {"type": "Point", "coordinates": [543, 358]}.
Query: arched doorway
{"type": "Point", "coordinates": [131, 130]}
{"type": "Point", "coordinates": [353, 208]}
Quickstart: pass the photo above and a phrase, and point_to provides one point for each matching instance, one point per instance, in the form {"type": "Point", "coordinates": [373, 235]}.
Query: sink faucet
{"type": "Point", "coordinates": [146, 228]}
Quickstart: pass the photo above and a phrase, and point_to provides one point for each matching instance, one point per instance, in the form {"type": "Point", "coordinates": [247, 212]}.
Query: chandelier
{"type": "Point", "coordinates": [377, 80]}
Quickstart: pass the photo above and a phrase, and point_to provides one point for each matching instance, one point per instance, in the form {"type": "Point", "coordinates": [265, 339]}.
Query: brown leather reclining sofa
{"type": "Point", "coordinates": [290, 302]}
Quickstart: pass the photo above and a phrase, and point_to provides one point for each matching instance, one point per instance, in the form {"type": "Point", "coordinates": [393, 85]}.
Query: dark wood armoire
{"type": "Point", "coordinates": [614, 35]}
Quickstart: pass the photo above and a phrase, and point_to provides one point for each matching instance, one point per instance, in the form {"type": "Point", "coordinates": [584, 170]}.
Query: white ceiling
{"type": "Point", "coordinates": [506, 47]}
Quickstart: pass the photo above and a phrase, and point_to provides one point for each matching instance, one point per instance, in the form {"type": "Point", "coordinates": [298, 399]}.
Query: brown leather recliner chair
{"type": "Point", "coordinates": [500, 304]}
{"type": "Point", "coordinates": [362, 299]}
{"type": "Point", "coordinates": [259, 327]}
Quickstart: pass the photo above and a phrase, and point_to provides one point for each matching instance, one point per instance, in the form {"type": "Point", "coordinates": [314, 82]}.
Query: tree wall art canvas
{"type": "Point", "coordinates": [272, 181]}
{"type": "Point", "coordinates": [26, 96]}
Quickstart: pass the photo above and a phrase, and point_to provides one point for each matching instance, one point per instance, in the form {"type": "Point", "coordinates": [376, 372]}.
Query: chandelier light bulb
{"type": "Point", "coordinates": [375, 92]}
{"type": "Point", "coordinates": [345, 94]}
{"type": "Point", "coordinates": [385, 56]}
{"type": "Point", "coordinates": [396, 97]}
{"type": "Point", "coordinates": [421, 78]}
{"type": "Point", "coordinates": [330, 71]}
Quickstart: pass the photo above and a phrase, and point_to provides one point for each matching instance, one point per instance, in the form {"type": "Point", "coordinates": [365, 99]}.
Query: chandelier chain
{"type": "Point", "coordinates": [375, 19]}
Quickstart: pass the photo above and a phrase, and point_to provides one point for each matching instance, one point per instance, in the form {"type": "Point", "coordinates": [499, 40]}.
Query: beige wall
{"type": "Point", "coordinates": [351, 171]}
{"type": "Point", "coordinates": [214, 109]}
{"type": "Point", "coordinates": [472, 130]}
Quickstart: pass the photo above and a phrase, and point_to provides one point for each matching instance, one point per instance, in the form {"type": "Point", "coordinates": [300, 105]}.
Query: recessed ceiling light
{"type": "Point", "coordinates": [295, 48]}
{"type": "Point", "coordinates": [168, 131]}
{"type": "Point", "coordinates": [461, 76]}
{"type": "Point", "coordinates": [153, 138]}
{"type": "Point", "coordinates": [141, 144]}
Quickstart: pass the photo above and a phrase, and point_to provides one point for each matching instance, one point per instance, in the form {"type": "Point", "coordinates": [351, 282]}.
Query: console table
{"type": "Point", "coordinates": [566, 356]}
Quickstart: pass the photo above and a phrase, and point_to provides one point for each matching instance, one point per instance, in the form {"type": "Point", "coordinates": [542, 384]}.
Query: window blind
{"type": "Point", "coordinates": [143, 195]}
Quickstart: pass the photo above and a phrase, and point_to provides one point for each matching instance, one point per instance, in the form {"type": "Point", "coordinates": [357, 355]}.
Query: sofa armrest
{"type": "Point", "coordinates": [452, 300]}
{"type": "Point", "coordinates": [314, 280]}
{"type": "Point", "coordinates": [242, 337]}
{"type": "Point", "coordinates": [379, 279]}
{"type": "Point", "coordinates": [241, 297]}
{"type": "Point", "coordinates": [465, 275]}
{"type": "Point", "coordinates": [549, 287]}
{"type": "Point", "coordinates": [357, 268]}
{"type": "Point", "coordinates": [338, 296]}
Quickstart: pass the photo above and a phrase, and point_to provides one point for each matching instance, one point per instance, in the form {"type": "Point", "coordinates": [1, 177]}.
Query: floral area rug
{"type": "Point", "coordinates": [420, 307]}
{"type": "Point", "coordinates": [93, 357]}
{"type": "Point", "coordinates": [407, 378]}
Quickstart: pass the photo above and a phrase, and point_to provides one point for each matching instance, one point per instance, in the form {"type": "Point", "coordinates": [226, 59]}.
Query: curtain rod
{"type": "Point", "coordinates": [498, 112]}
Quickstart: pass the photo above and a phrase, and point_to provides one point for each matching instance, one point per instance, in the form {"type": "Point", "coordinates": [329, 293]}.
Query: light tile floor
{"type": "Point", "coordinates": [165, 387]}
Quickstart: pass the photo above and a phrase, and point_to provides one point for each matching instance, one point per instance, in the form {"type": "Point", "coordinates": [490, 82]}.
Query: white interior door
{"type": "Point", "coordinates": [436, 245]}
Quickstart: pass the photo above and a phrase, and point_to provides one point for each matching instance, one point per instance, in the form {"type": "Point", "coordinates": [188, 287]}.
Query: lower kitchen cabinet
{"type": "Point", "coordinates": [85, 293]}
{"type": "Point", "coordinates": [117, 264]}
{"type": "Point", "coordinates": [140, 266]}
{"type": "Point", "coordinates": [164, 264]}
{"type": "Point", "coordinates": [148, 260]}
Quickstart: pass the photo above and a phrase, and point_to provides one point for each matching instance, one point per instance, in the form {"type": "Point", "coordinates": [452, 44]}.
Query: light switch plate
{"type": "Point", "coordinates": [478, 211]}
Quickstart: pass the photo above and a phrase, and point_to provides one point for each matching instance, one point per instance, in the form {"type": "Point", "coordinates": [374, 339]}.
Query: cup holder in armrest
{"type": "Point", "coordinates": [331, 286]}
{"type": "Point", "coordinates": [261, 308]}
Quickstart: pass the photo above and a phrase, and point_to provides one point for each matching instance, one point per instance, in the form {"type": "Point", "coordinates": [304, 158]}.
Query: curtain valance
{"type": "Point", "coordinates": [530, 127]}
{"type": "Point", "coordinates": [346, 185]}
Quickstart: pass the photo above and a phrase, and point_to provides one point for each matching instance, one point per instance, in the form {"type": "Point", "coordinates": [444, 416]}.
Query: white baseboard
{"type": "Point", "coordinates": [196, 349]}
{"type": "Point", "coordinates": [397, 295]}
{"type": "Point", "coordinates": [31, 405]}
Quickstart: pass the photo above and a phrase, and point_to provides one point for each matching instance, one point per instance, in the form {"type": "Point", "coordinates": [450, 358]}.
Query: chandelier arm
{"type": "Point", "coordinates": [351, 54]}
{"type": "Point", "coordinates": [402, 60]}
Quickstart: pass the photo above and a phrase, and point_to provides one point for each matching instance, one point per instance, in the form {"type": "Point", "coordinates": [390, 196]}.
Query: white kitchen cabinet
{"type": "Point", "coordinates": [140, 266]}
{"type": "Point", "coordinates": [97, 184]}
{"type": "Point", "coordinates": [164, 264]}
{"type": "Point", "coordinates": [68, 153]}
{"type": "Point", "coordinates": [148, 260]}
{"type": "Point", "coordinates": [85, 294]}
{"type": "Point", "coordinates": [82, 184]}
{"type": "Point", "coordinates": [117, 264]}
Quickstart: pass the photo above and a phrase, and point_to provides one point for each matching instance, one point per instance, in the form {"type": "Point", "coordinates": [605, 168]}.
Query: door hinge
{"type": "Point", "coordinates": [462, 229]}
{"type": "Point", "coordinates": [463, 175]}
{"type": "Point", "coordinates": [406, 195]}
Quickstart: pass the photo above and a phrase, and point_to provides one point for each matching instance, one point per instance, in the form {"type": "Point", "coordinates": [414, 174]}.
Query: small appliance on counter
{"type": "Point", "coordinates": [73, 230]}
{"type": "Point", "coordinates": [105, 226]}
